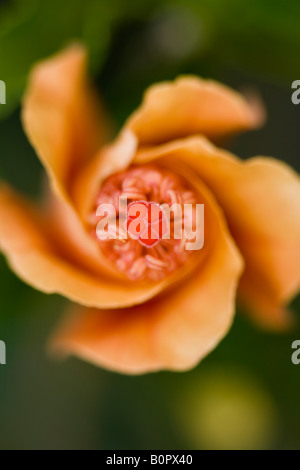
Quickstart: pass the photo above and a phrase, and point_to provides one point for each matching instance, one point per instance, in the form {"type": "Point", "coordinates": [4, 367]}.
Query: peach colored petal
{"type": "Point", "coordinates": [261, 201]}
{"type": "Point", "coordinates": [75, 242]}
{"type": "Point", "coordinates": [191, 105]}
{"type": "Point", "coordinates": [173, 331]}
{"type": "Point", "coordinates": [25, 239]}
{"type": "Point", "coordinates": [61, 118]}
{"type": "Point", "coordinates": [112, 158]}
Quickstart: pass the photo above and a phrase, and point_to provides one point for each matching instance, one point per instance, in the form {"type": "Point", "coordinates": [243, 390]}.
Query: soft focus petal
{"type": "Point", "coordinates": [26, 241]}
{"type": "Point", "coordinates": [189, 106]}
{"type": "Point", "coordinates": [111, 159]}
{"type": "Point", "coordinates": [75, 241]}
{"type": "Point", "coordinates": [173, 331]}
{"type": "Point", "coordinates": [61, 116]}
{"type": "Point", "coordinates": [261, 201]}
{"type": "Point", "coordinates": [71, 229]}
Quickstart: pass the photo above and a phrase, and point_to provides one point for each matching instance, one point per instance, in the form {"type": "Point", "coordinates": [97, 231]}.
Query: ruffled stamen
{"type": "Point", "coordinates": [140, 249]}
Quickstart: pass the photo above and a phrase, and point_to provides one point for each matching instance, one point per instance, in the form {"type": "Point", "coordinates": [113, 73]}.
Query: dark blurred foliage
{"type": "Point", "coordinates": [244, 394]}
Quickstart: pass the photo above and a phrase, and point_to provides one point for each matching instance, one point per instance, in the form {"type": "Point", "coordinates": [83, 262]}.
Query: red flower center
{"type": "Point", "coordinates": [146, 222]}
{"type": "Point", "coordinates": [137, 245]}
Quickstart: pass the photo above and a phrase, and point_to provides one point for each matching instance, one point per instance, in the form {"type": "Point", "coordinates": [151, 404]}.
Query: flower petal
{"type": "Point", "coordinates": [112, 158]}
{"type": "Point", "coordinates": [26, 240]}
{"type": "Point", "coordinates": [173, 331]}
{"type": "Point", "coordinates": [190, 105]}
{"type": "Point", "coordinates": [61, 118]}
{"type": "Point", "coordinates": [261, 201]}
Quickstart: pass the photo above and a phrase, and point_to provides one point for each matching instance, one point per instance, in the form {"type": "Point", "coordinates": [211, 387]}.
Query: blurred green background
{"type": "Point", "coordinates": [243, 395]}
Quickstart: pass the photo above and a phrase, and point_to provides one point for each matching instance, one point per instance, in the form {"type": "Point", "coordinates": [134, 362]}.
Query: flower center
{"type": "Point", "coordinates": [146, 222]}
{"type": "Point", "coordinates": [141, 237]}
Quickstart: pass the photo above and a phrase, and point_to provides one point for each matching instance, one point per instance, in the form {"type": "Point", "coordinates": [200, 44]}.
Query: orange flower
{"type": "Point", "coordinates": [144, 309]}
